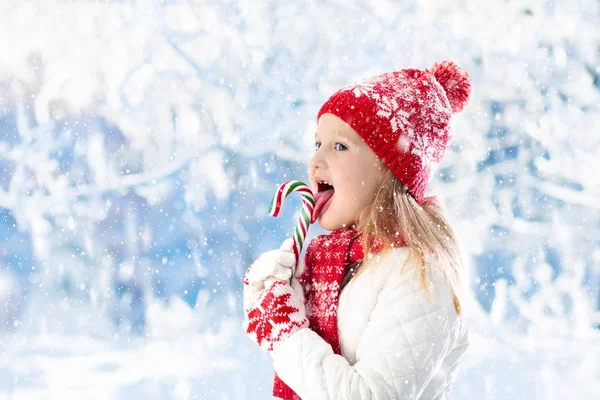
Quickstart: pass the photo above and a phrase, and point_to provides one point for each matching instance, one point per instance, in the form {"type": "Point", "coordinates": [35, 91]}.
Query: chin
{"type": "Point", "coordinates": [331, 225]}
{"type": "Point", "coordinates": [328, 225]}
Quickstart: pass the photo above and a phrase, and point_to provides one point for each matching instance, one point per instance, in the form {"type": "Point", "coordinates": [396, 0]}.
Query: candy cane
{"type": "Point", "coordinates": [308, 203]}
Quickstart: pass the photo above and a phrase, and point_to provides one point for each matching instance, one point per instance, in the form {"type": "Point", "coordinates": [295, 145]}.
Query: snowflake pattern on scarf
{"type": "Point", "coordinates": [322, 291]}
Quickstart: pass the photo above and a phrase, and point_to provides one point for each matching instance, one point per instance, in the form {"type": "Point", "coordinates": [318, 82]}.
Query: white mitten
{"type": "Point", "coordinates": [274, 265]}
{"type": "Point", "coordinates": [278, 312]}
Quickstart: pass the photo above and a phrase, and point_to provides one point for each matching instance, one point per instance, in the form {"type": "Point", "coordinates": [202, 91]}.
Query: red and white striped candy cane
{"type": "Point", "coordinates": [308, 203]}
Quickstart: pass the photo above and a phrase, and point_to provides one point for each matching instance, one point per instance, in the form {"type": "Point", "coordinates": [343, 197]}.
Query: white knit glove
{"type": "Point", "coordinates": [269, 267]}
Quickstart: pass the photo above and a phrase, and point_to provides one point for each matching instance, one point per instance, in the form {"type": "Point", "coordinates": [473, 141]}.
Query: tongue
{"type": "Point", "coordinates": [321, 198]}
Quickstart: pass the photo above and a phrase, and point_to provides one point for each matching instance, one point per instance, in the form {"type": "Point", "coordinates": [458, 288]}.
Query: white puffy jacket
{"type": "Point", "coordinates": [396, 343]}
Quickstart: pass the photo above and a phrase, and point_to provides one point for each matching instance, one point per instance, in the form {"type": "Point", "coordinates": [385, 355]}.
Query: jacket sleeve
{"type": "Point", "coordinates": [403, 346]}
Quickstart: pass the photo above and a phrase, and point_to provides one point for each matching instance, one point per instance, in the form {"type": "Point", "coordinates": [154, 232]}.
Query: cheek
{"type": "Point", "coordinates": [353, 188]}
{"type": "Point", "coordinates": [360, 179]}
{"type": "Point", "coordinates": [348, 176]}
{"type": "Point", "coordinates": [368, 178]}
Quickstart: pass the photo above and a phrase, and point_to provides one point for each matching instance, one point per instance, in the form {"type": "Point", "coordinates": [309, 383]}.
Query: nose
{"type": "Point", "coordinates": [317, 161]}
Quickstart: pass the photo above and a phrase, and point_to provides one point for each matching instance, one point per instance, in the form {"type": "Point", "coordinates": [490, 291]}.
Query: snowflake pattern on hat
{"type": "Point", "coordinates": [389, 106]}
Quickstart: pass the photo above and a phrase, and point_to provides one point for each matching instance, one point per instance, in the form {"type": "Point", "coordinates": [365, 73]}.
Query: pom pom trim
{"type": "Point", "coordinates": [455, 81]}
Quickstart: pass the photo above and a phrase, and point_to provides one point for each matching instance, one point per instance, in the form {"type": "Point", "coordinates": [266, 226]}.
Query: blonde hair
{"type": "Point", "coordinates": [424, 228]}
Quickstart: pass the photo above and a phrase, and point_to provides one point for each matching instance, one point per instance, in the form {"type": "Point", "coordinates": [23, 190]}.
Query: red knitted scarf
{"type": "Point", "coordinates": [326, 260]}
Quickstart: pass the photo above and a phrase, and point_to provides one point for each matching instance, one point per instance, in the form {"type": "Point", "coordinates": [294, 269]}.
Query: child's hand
{"type": "Point", "coordinates": [272, 266]}
{"type": "Point", "coordinates": [276, 314]}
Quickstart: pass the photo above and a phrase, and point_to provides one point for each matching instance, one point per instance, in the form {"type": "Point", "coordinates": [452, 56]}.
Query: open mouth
{"type": "Point", "coordinates": [322, 199]}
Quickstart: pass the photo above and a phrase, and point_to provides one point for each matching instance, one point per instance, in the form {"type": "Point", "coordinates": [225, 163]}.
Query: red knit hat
{"type": "Point", "coordinates": [404, 117]}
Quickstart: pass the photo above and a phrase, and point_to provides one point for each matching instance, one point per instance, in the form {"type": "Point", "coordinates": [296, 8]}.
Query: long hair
{"type": "Point", "coordinates": [424, 229]}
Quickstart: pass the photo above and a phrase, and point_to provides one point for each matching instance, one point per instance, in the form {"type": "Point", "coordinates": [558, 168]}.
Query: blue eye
{"type": "Point", "coordinates": [342, 147]}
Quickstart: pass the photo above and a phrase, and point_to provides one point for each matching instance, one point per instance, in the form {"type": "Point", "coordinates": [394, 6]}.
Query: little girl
{"type": "Point", "coordinates": [373, 310]}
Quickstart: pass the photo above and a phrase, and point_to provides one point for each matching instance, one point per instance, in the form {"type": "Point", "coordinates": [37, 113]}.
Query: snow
{"type": "Point", "coordinates": [141, 143]}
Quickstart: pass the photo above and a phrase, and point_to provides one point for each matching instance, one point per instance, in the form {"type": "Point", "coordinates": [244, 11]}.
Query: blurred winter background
{"type": "Point", "coordinates": [141, 142]}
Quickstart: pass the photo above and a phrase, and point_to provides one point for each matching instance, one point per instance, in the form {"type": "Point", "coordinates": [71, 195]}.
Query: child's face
{"type": "Point", "coordinates": [344, 160]}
